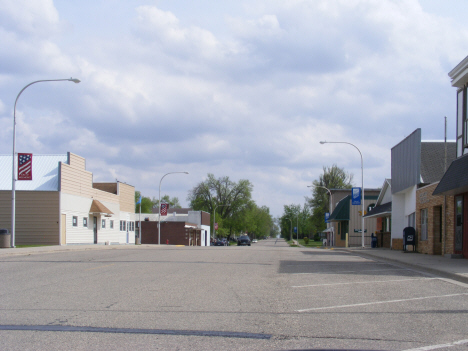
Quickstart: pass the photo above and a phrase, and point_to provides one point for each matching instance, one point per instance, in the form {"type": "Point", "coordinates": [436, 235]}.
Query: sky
{"type": "Point", "coordinates": [245, 89]}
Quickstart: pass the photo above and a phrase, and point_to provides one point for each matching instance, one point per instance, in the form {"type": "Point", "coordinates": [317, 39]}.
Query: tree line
{"type": "Point", "coordinates": [236, 211]}
{"type": "Point", "coordinates": [310, 218]}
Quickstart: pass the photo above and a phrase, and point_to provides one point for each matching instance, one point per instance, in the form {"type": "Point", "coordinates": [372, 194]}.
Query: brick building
{"type": "Point", "coordinates": [434, 230]}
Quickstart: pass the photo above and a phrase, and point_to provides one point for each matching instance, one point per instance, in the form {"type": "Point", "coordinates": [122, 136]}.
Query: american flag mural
{"type": "Point", "coordinates": [25, 166]}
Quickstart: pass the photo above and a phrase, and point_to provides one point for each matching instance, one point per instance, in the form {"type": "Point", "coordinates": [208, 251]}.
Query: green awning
{"type": "Point", "coordinates": [341, 211]}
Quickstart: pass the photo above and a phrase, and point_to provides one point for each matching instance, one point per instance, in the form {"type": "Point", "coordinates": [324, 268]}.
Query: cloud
{"type": "Point", "coordinates": [249, 95]}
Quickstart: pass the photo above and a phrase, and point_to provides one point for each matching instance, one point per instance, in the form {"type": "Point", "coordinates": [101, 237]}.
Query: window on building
{"type": "Point", "coordinates": [412, 220]}
{"type": "Point", "coordinates": [103, 223]}
{"type": "Point", "coordinates": [462, 122]}
{"type": "Point", "coordinates": [111, 224]}
{"type": "Point", "coordinates": [75, 221]}
{"type": "Point", "coordinates": [424, 224]}
{"type": "Point", "coordinates": [85, 222]}
{"type": "Point", "coordinates": [122, 226]}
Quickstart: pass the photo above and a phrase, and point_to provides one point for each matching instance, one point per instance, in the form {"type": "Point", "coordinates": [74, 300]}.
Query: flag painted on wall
{"type": "Point", "coordinates": [164, 208]}
{"type": "Point", "coordinates": [25, 166]}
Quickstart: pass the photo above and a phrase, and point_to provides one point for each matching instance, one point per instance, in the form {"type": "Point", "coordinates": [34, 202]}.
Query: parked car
{"type": "Point", "coordinates": [243, 240]}
{"type": "Point", "coordinates": [219, 242]}
{"type": "Point", "coordinates": [254, 241]}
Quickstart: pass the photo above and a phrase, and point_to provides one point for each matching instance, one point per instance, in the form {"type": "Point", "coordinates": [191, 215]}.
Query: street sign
{"type": "Point", "coordinates": [355, 196]}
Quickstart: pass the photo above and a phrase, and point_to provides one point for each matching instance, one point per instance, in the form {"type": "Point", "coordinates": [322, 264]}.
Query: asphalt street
{"type": "Point", "coordinates": [264, 297]}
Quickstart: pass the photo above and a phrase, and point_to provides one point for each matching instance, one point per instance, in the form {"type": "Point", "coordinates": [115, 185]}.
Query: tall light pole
{"type": "Point", "coordinates": [159, 205]}
{"type": "Point", "coordinates": [330, 207]}
{"type": "Point", "coordinates": [214, 218]}
{"type": "Point", "coordinates": [362, 179]}
{"type": "Point", "coordinates": [13, 177]}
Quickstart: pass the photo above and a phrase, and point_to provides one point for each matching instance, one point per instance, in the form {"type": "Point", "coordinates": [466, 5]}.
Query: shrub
{"type": "Point", "coordinates": [306, 240]}
{"type": "Point", "coordinates": [317, 237]}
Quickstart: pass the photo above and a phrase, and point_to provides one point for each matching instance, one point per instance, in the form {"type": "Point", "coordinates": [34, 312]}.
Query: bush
{"type": "Point", "coordinates": [306, 240]}
{"type": "Point", "coordinates": [317, 237]}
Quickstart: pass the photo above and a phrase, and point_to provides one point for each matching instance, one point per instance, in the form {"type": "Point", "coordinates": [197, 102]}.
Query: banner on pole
{"type": "Point", "coordinates": [355, 196]}
{"type": "Point", "coordinates": [327, 216]}
{"type": "Point", "coordinates": [25, 166]}
{"type": "Point", "coordinates": [164, 208]}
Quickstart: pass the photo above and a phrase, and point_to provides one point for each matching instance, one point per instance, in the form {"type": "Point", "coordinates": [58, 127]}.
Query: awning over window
{"type": "Point", "coordinates": [98, 207]}
{"type": "Point", "coordinates": [455, 180]}
{"type": "Point", "coordinates": [328, 230]}
{"type": "Point", "coordinates": [341, 211]}
{"type": "Point", "coordinates": [384, 210]}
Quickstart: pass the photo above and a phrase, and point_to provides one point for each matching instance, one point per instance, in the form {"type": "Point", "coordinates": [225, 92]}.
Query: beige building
{"type": "Point", "coordinates": [62, 205]}
{"type": "Point", "coordinates": [345, 218]}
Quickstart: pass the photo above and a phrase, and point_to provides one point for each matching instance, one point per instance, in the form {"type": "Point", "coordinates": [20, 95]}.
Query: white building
{"type": "Point", "coordinates": [61, 204]}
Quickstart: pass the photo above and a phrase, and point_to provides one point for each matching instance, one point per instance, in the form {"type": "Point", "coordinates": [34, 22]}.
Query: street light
{"type": "Point", "coordinates": [362, 179]}
{"type": "Point", "coordinates": [13, 176]}
{"type": "Point", "coordinates": [214, 217]}
{"type": "Point", "coordinates": [159, 205]}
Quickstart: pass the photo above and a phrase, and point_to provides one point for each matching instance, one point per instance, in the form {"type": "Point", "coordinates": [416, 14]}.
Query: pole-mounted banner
{"type": "Point", "coordinates": [25, 166]}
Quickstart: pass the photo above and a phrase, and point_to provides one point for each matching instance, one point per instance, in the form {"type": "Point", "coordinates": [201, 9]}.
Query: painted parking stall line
{"type": "Point", "coordinates": [379, 302]}
{"type": "Point", "coordinates": [440, 346]}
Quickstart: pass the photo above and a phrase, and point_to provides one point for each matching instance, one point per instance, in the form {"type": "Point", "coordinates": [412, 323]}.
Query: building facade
{"type": "Point", "coordinates": [414, 164]}
{"type": "Point", "coordinates": [62, 205]}
{"type": "Point", "coordinates": [455, 179]}
{"type": "Point", "coordinates": [346, 219]}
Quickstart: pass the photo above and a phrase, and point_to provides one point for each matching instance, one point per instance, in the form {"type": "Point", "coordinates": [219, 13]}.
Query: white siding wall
{"type": "Point", "coordinates": [73, 205]}
{"type": "Point", "coordinates": [403, 204]}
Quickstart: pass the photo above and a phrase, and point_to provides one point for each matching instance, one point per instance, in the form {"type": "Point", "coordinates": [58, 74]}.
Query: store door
{"type": "Point", "coordinates": [95, 229]}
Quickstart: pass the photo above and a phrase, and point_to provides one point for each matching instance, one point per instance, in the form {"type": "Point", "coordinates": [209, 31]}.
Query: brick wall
{"type": "Point", "coordinates": [436, 243]}
{"type": "Point", "coordinates": [175, 232]}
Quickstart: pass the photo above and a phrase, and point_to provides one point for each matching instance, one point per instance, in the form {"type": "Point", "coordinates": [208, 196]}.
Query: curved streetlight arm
{"type": "Point", "coordinates": [159, 205]}
{"type": "Point", "coordinates": [362, 180]}
{"type": "Point", "coordinates": [13, 177]}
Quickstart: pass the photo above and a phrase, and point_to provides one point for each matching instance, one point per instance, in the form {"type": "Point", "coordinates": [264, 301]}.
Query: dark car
{"type": "Point", "coordinates": [220, 242]}
{"type": "Point", "coordinates": [243, 240]}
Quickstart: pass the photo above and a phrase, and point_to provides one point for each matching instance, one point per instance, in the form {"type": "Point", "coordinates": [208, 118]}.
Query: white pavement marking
{"type": "Point", "coordinates": [434, 347]}
{"type": "Point", "coordinates": [362, 270]}
{"type": "Point", "coordinates": [379, 302]}
{"type": "Point", "coordinates": [368, 282]}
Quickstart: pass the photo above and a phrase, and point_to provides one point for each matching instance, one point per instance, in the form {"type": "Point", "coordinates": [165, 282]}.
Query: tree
{"type": "Point", "coordinates": [293, 217]}
{"type": "Point", "coordinates": [333, 177]}
{"type": "Point", "coordinates": [229, 198]}
{"type": "Point", "coordinates": [146, 203]}
{"type": "Point", "coordinates": [173, 203]}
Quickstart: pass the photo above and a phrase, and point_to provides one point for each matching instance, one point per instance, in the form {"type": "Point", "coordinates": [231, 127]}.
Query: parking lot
{"type": "Point", "coordinates": [264, 297]}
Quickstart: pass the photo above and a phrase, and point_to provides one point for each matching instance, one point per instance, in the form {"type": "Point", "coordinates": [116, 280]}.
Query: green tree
{"type": "Point", "coordinates": [146, 203]}
{"type": "Point", "coordinates": [333, 177]}
{"type": "Point", "coordinates": [166, 199]}
{"type": "Point", "coordinates": [229, 198]}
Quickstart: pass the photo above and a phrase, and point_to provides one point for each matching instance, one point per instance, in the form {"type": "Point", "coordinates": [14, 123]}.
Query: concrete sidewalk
{"type": "Point", "coordinates": [456, 269]}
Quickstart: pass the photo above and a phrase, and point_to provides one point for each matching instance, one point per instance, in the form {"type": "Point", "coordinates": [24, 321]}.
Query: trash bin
{"type": "Point", "coordinates": [5, 239]}
{"type": "Point", "coordinates": [373, 241]}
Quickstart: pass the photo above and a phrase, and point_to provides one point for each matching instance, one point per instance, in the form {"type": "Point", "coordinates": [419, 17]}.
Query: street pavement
{"type": "Point", "coordinates": [265, 297]}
